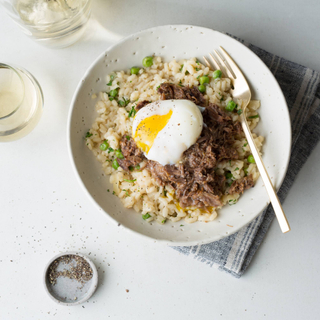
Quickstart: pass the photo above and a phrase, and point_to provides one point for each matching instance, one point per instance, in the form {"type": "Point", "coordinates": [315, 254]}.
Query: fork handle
{"type": "Point", "coordinates": [283, 222]}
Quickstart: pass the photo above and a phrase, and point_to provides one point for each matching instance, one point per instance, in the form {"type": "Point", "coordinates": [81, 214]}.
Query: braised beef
{"type": "Point", "coordinates": [194, 180]}
{"type": "Point", "coordinates": [240, 185]}
{"type": "Point", "coordinates": [132, 154]}
{"type": "Point", "coordinates": [169, 91]}
{"type": "Point", "coordinates": [141, 104]}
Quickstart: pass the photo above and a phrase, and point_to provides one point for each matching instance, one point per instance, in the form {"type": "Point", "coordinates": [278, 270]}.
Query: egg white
{"type": "Point", "coordinates": [181, 131]}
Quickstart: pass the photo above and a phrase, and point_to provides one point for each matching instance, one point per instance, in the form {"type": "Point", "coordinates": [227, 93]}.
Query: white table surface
{"type": "Point", "coordinates": [43, 211]}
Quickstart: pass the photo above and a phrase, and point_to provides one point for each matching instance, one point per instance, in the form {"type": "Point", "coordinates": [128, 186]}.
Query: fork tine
{"type": "Point", "coordinates": [225, 61]}
{"type": "Point", "coordinates": [233, 65]}
{"type": "Point", "coordinates": [216, 63]}
{"type": "Point", "coordinates": [207, 62]}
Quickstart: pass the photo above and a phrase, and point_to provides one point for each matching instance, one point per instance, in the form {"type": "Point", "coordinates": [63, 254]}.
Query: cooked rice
{"type": "Point", "coordinates": [144, 195]}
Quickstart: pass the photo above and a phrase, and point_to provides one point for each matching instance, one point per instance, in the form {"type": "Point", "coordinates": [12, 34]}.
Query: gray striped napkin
{"type": "Point", "coordinates": [301, 88]}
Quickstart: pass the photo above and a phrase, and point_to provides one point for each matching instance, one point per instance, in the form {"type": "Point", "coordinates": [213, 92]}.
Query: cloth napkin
{"type": "Point", "coordinates": [301, 88]}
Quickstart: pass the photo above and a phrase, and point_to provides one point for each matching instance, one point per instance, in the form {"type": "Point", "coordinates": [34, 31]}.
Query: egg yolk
{"type": "Point", "coordinates": [148, 129]}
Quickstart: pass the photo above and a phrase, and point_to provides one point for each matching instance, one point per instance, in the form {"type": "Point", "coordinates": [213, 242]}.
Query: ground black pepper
{"type": "Point", "coordinates": [79, 269]}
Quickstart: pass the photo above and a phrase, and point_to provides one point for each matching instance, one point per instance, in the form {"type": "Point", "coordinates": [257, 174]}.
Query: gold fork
{"type": "Point", "coordinates": [241, 90]}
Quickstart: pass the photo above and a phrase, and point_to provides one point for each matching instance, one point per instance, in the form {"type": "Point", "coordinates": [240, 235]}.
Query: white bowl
{"type": "Point", "coordinates": [177, 42]}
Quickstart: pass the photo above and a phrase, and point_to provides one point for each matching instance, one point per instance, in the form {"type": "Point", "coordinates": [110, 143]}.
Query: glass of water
{"type": "Point", "coordinates": [21, 102]}
{"type": "Point", "coordinates": [55, 23]}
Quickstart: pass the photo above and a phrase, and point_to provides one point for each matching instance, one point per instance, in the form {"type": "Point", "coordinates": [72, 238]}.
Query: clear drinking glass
{"type": "Point", "coordinates": [21, 102]}
{"type": "Point", "coordinates": [55, 23]}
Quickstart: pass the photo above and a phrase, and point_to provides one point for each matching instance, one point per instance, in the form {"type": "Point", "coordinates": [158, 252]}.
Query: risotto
{"type": "Point", "coordinates": [137, 189]}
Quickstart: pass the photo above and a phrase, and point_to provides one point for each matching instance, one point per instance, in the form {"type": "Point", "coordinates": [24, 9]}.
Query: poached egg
{"type": "Point", "coordinates": [164, 129]}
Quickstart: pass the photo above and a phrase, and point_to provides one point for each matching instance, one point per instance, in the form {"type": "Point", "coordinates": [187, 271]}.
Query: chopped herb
{"type": "Point", "coordinates": [131, 168]}
{"type": "Point", "coordinates": [131, 181]}
{"type": "Point", "coordinates": [222, 98]}
{"type": "Point", "coordinates": [181, 68]}
{"type": "Point", "coordinates": [88, 134]}
{"type": "Point", "coordinates": [254, 117]}
{"type": "Point", "coordinates": [245, 144]}
{"type": "Point", "coordinates": [197, 61]}
{"type": "Point", "coordinates": [230, 163]}
{"type": "Point", "coordinates": [127, 193]}
{"type": "Point", "coordinates": [146, 216]}
{"type": "Point", "coordinates": [187, 72]}
{"type": "Point", "coordinates": [110, 150]}
{"type": "Point", "coordinates": [138, 167]}
{"type": "Point", "coordinates": [132, 112]}
{"type": "Point", "coordinates": [233, 201]}
{"type": "Point", "coordinates": [197, 69]}
{"type": "Point", "coordinates": [198, 77]}
{"type": "Point", "coordinates": [128, 137]}
{"type": "Point", "coordinates": [236, 169]}
{"type": "Point", "coordinates": [108, 190]}
{"type": "Point", "coordinates": [124, 102]}
{"type": "Point", "coordinates": [165, 192]}
{"type": "Point", "coordinates": [239, 112]}
{"type": "Point", "coordinates": [113, 93]}
{"type": "Point", "coordinates": [181, 225]}
{"type": "Point", "coordinates": [245, 170]}
{"type": "Point", "coordinates": [158, 87]}
{"type": "Point", "coordinates": [111, 79]}
{"type": "Point", "coordinates": [163, 221]}
{"type": "Point", "coordinates": [229, 175]}
{"type": "Point", "coordinates": [113, 193]}
{"type": "Point", "coordinates": [180, 84]}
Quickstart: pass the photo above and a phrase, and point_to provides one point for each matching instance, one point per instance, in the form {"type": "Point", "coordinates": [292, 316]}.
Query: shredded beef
{"type": "Point", "coordinates": [194, 180]}
{"type": "Point", "coordinates": [132, 154]}
{"type": "Point", "coordinates": [169, 91]}
{"type": "Point", "coordinates": [239, 186]}
{"type": "Point", "coordinates": [141, 104]}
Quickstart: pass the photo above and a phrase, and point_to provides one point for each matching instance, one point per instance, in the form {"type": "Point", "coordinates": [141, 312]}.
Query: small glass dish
{"type": "Point", "coordinates": [21, 102]}
{"type": "Point", "coordinates": [56, 24]}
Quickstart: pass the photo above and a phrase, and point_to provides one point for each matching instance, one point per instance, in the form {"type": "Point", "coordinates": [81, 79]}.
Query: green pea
{"type": "Point", "coordinates": [113, 93]}
{"type": "Point", "coordinates": [204, 79]}
{"type": "Point", "coordinates": [251, 159]}
{"type": "Point", "coordinates": [202, 88]}
{"type": "Point", "coordinates": [147, 62]}
{"type": "Point", "coordinates": [115, 164]}
{"type": "Point", "coordinates": [216, 74]}
{"type": "Point", "coordinates": [119, 154]}
{"type": "Point", "coordinates": [104, 145]}
{"type": "Point", "coordinates": [135, 70]}
{"type": "Point", "coordinates": [231, 105]}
